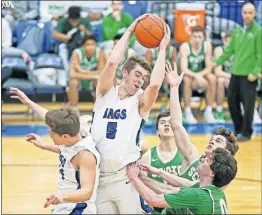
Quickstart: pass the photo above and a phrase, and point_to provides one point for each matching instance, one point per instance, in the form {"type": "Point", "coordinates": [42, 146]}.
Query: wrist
{"type": "Point", "coordinates": [134, 178]}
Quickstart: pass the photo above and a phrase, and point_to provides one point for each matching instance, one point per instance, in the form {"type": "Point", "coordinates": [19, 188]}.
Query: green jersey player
{"type": "Point", "coordinates": [217, 170]}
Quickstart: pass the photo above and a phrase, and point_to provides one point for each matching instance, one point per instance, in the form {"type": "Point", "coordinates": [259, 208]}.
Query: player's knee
{"type": "Point", "coordinates": [211, 78]}
{"type": "Point", "coordinates": [220, 82]}
{"type": "Point", "coordinates": [187, 81]}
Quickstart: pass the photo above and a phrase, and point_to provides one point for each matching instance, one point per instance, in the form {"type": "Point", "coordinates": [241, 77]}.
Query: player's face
{"type": "Point", "coordinates": [117, 6]}
{"type": "Point", "coordinates": [204, 168]}
{"type": "Point", "coordinates": [248, 14]}
{"type": "Point", "coordinates": [216, 141]}
{"type": "Point", "coordinates": [134, 80]}
{"type": "Point", "coordinates": [197, 38]}
{"type": "Point", "coordinates": [74, 22]}
{"type": "Point", "coordinates": [164, 127]}
{"type": "Point", "coordinates": [58, 139]}
{"type": "Point", "coordinates": [90, 47]}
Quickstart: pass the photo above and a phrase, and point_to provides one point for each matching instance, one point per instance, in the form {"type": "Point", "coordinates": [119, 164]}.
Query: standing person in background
{"type": "Point", "coordinates": [246, 46]}
{"type": "Point", "coordinates": [223, 74]}
{"type": "Point", "coordinates": [115, 23]}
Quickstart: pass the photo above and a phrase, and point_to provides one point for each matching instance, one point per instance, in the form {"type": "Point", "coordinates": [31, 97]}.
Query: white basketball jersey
{"type": "Point", "coordinates": [115, 129]}
{"type": "Point", "coordinates": [69, 179]}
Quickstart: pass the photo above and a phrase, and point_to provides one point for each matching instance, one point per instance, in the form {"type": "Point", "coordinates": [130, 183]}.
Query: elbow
{"type": "Point", "coordinates": [86, 195]}
{"type": "Point", "coordinates": [152, 201]}
{"type": "Point", "coordinates": [176, 124]}
{"type": "Point", "coordinates": [154, 87]}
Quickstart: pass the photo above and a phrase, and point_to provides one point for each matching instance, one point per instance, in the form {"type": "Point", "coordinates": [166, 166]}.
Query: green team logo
{"type": "Point", "coordinates": [176, 170]}
{"type": "Point", "coordinates": [193, 174]}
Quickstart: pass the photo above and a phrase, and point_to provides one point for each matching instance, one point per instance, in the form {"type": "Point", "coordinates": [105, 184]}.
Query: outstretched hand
{"type": "Point", "coordinates": [18, 94]}
{"type": "Point", "coordinates": [172, 78]}
{"type": "Point", "coordinates": [166, 39]}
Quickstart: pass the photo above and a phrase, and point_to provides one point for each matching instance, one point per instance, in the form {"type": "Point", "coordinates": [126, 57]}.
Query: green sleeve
{"type": "Point", "coordinates": [228, 52]}
{"type": "Point", "coordinates": [107, 31]}
{"type": "Point", "coordinates": [60, 25]}
{"type": "Point", "coordinates": [257, 68]}
{"type": "Point", "coordinates": [196, 185]}
{"type": "Point", "coordinates": [185, 198]}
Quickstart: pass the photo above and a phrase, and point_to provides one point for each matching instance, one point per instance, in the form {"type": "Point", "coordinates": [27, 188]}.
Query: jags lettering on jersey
{"type": "Point", "coordinates": [114, 114]}
{"type": "Point", "coordinates": [61, 165]}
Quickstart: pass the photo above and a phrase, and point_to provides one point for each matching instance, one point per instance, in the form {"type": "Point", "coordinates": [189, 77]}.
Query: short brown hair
{"type": "Point", "coordinates": [224, 167]}
{"type": "Point", "coordinates": [231, 146]}
{"type": "Point", "coordinates": [133, 61]}
{"type": "Point", "coordinates": [63, 121]}
{"type": "Point", "coordinates": [198, 28]}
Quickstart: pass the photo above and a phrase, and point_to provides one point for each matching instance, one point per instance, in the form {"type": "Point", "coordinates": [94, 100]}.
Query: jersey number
{"type": "Point", "coordinates": [111, 130]}
{"type": "Point", "coordinates": [223, 206]}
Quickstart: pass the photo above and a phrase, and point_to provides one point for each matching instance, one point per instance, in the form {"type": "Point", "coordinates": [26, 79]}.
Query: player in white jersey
{"type": "Point", "coordinates": [119, 114]}
{"type": "Point", "coordinates": [79, 159]}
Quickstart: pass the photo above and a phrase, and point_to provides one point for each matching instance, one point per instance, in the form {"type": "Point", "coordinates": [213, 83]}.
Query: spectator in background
{"type": "Point", "coordinates": [223, 74]}
{"type": "Point", "coordinates": [86, 65]}
{"type": "Point", "coordinates": [22, 10]}
{"type": "Point", "coordinates": [115, 23]}
{"type": "Point", "coordinates": [129, 53]}
{"type": "Point", "coordinates": [70, 31]}
{"type": "Point", "coordinates": [245, 45]}
{"type": "Point", "coordinates": [12, 52]}
{"type": "Point", "coordinates": [195, 62]}
{"type": "Point", "coordinates": [6, 34]}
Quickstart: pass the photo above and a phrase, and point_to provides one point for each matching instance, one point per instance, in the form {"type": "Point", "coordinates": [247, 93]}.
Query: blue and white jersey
{"type": "Point", "coordinates": [116, 128]}
{"type": "Point", "coordinates": [69, 179]}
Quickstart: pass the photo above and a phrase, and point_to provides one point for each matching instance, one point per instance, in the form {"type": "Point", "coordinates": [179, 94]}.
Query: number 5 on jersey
{"type": "Point", "coordinates": [111, 130]}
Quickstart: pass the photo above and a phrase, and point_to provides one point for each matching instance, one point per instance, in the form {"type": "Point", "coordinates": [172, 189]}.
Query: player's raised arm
{"type": "Point", "coordinates": [184, 145]}
{"type": "Point", "coordinates": [107, 77]}
{"type": "Point", "coordinates": [149, 97]}
{"type": "Point", "coordinates": [18, 94]}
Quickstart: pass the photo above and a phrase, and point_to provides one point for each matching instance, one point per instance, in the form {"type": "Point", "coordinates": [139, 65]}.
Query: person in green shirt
{"type": "Point", "coordinates": [195, 62]}
{"type": "Point", "coordinates": [69, 31]}
{"type": "Point", "coordinates": [165, 156]}
{"type": "Point", "coordinates": [86, 64]}
{"type": "Point", "coordinates": [116, 23]}
{"type": "Point", "coordinates": [216, 171]}
{"type": "Point", "coordinates": [245, 45]}
{"type": "Point", "coordinates": [223, 74]}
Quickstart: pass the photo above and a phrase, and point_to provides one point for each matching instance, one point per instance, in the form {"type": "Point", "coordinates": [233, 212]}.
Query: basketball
{"type": "Point", "coordinates": [149, 32]}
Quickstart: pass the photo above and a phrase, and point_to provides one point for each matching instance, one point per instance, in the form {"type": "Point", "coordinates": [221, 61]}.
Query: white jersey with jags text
{"type": "Point", "coordinates": [69, 179]}
{"type": "Point", "coordinates": [115, 129]}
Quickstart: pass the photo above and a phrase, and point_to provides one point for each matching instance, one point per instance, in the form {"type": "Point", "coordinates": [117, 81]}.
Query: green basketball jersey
{"type": "Point", "coordinates": [204, 200]}
{"type": "Point", "coordinates": [89, 64]}
{"type": "Point", "coordinates": [196, 62]}
{"type": "Point", "coordinates": [173, 166]}
{"type": "Point", "coordinates": [190, 172]}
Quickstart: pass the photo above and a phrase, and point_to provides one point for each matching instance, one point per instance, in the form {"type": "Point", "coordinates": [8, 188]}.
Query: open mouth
{"type": "Point", "coordinates": [166, 130]}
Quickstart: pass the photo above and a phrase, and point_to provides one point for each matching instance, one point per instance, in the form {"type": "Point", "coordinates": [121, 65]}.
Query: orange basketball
{"type": "Point", "coordinates": [149, 32]}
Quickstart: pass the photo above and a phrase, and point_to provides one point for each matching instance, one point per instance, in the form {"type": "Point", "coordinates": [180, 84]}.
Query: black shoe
{"type": "Point", "coordinates": [242, 138]}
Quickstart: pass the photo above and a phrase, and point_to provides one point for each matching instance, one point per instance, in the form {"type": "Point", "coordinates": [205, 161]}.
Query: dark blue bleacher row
{"type": "Point", "coordinates": [230, 10]}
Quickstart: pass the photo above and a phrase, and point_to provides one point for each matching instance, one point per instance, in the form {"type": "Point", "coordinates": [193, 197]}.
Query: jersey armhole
{"type": "Point", "coordinates": [99, 101]}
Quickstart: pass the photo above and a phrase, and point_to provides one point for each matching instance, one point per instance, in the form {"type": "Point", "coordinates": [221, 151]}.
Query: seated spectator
{"type": "Point", "coordinates": [86, 65]}
{"type": "Point", "coordinates": [195, 61]}
{"type": "Point", "coordinates": [223, 74]}
{"type": "Point", "coordinates": [129, 53]}
{"type": "Point", "coordinates": [6, 34]}
{"type": "Point", "coordinates": [13, 52]}
{"type": "Point", "coordinates": [115, 23]}
{"type": "Point", "coordinates": [70, 31]}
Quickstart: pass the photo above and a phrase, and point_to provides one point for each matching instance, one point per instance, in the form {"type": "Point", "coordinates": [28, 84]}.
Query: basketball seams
{"type": "Point", "coordinates": [150, 32]}
{"type": "Point", "coordinates": [163, 31]}
{"type": "Point", "coordinates": [140, 41]}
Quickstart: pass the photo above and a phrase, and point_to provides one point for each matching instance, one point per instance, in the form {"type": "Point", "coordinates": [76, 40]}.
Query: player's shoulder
{"type": "Point", "coordinates": [184, 49]}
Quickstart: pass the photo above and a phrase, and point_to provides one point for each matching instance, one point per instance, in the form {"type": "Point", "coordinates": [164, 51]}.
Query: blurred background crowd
{"type": "Point", "coordinates": [57, 49]}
